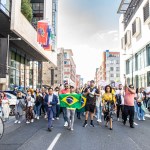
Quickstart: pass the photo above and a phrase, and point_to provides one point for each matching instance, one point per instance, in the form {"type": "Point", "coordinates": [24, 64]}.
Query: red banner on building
{"type": "Point", "coordinates": [42, 32]}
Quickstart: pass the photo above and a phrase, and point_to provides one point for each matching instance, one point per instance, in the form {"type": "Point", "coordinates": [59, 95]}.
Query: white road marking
{"type": "Point", "coordinates": [54, 141]}
{"type": "Point", "coordinates": [147, 115]}
{"type": "Point", "coordinates": [135, 144]}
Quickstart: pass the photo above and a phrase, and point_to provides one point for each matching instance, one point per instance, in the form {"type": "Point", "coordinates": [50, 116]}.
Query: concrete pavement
{"type": "Point", "coordinates": [36, 137]}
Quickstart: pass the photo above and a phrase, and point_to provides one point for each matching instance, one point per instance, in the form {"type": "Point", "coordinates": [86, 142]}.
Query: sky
{"type": "Point", "coordinates": [88, 27]}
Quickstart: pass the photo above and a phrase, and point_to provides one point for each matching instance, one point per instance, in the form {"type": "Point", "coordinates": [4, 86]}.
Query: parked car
{"type": "Point", "coordinates": [12, 100]}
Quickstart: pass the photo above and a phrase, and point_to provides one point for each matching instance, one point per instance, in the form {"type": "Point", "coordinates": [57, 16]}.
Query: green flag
{"type": "Point", "coordinates": [83, 103]}
{"type": "Point", "coordinates": [70, 100]}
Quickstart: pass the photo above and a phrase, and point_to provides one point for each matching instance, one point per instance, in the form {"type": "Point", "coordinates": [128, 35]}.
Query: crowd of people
{"type": "Point", "coordinates": [101, 102]}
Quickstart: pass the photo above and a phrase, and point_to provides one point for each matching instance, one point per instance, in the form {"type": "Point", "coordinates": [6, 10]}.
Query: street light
{"type": "Point", "coordinates": [132, 64]}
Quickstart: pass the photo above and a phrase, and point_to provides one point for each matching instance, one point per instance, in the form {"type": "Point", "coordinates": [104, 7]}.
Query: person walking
{"type": "Point", "coordinates": [38, 104]}
{"type": "Point", "coordinates": [51, 101]}
{"type": "Point", "coordinates": [20, 104]}
{"type": "Point", "coordinates": [109, 104]}
{"type": "Point", "coordinates": [120, 100]}
{"type": "Point", "coordinates": [71, 112]}
{"type": "Point", "coordinates": [139, 100]}
{"type": "Point", "coordinates": [56, 92]}
{"type": "Point", "coordinates": [29, 107]}
{"type": "Point", "coordinates": [147, 102]}
{"type": "Point", "coordinates": [99, 105]}
{"type": "Point", "coordinates": [5, 106]}
{"type": "Point", "coordinates": [129, 104]}
{"type": "Point", "coordinates": [66, 90]}
{"type": "Point", "coordinates": [90, 106]}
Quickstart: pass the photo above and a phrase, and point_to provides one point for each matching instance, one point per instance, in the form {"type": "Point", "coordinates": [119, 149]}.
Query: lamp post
{"type": "Point", "coordinates": [132, 64]}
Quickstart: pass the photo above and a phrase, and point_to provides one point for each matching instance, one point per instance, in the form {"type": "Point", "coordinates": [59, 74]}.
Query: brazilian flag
{"type": "Point", "coordinates": [83, 102]}
{"type": "Point", "coordinates": [70, 100]}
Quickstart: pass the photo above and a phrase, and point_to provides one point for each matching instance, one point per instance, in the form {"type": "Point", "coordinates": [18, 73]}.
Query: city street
{"type": "Point", "coordinates": [35, 136]}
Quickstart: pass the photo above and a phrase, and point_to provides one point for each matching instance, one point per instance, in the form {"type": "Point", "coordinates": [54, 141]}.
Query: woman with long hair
{"type": "Point", "coordinates": [99, 105]}
{"type": "Point", "coordinates": [20, 104]}
{"type": "Point", "coordinates": [139, 101]}
{"type": "Point", "coordinates": [109, 103]}
{"type": "Point", "coordinates": [29, 107]}
{"type": "Point", "coordinates": [5, 106]}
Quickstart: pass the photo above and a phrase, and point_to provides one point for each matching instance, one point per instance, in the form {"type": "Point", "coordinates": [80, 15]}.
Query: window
{"type": "Point", "coordinates": [111, 61]}
{"type": "Point", "coordinates": [148, 54]}
{"type": "Point", "coordinates": [134, 27]}
{"type": "Point", "coordinates": [127, 67]}
{"type": "Point", "coordinates": [55, 75]}
{"type": "Point", "coordinates": [146, 11]}
{"type": "Point", "coordinates": [117, 61]}
{"type": "Point", "coordinates": [117, 69]}
{"type": "Point", "coordinates": [117, 75]}
{"type": "Point", "coordinates": [65, 55]}
{"type": "Point", "coordinates": [65, 62]}
{"type": "Point", "coordinates": [111, 69]}
{"type": "Point", "coordinates": [111, 75]}
{"type": "Point", "coordinates": [55, 81]}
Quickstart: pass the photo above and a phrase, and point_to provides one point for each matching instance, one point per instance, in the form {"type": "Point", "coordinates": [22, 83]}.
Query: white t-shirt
{"type": "Point", "coordinates": [147, 91]}
{"type": "Point", "coordinates": [139, 96]}
{"type": "Point", "coordinates": [122, 93]}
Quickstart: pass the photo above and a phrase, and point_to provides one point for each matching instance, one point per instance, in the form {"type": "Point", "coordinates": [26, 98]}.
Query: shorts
{"type": "Point", "coordinates": [90, 108]}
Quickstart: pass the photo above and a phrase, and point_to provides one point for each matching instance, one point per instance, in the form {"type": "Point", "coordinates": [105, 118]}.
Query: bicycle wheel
{"type": "Point", "coordinates": [1, 127]}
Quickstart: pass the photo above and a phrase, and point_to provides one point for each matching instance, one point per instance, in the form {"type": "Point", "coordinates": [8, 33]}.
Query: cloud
{"type": "Point", "coordinates": [112, 32]}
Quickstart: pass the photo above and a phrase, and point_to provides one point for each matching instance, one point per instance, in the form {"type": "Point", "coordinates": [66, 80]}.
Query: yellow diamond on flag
{"type": "Point", "coordinates": [70, 100]}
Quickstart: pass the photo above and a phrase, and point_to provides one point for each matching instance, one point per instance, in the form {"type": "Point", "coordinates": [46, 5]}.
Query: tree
{"type": "Point", "coordinates": [26, 9]}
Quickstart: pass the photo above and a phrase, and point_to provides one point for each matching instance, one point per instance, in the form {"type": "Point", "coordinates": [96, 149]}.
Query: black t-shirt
{"type": "Point", "coordinates": [91, 98]}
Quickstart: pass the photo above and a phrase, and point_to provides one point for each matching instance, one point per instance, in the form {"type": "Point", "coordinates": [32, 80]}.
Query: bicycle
{"type": "Point", "coordinates": [1, 127]}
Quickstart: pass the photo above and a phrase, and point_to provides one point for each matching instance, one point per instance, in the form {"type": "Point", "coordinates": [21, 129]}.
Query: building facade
{"type": "Point", "coordinates": [135, 41]}
{"type": "Point", "coordinates": [109, 70]}
{"type": "Point", "coordinates": [21, 55]}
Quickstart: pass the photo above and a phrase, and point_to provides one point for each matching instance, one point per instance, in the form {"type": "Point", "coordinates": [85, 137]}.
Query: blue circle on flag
{"type": "Point", "coordinates": [82, 102]}
{"type": "Point", "coordinates": [69, 100]}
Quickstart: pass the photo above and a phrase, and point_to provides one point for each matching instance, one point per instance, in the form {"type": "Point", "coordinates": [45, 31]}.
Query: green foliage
{"type": "Point", "coordinates": [26, 9]}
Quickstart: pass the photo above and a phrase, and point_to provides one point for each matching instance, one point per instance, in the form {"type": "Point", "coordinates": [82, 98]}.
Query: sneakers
{"type": "Point", "coordinates": [35, 116]}
{"type": "Point", "coordinates": [118, 119]}
{"type": "Point", "coordinates": [16, 121]}
{"type": "Point", "coordinates": [32, 120]}
{"type": "Point", "coordinates": [99, 120]}
{"type": "Point", "coordinates": [71, 129]}
{"type": "Point", "coordinates": [57, 118]}
{"type": "Point", "coordinates": [85, 124]}
{"type": "Point", "coordinates": [143, 119]}
{"type": "Point", "coordinates": [53, 119]}
{"type": "Point", "coordinates": [131, 126]}
{"type": "Point", "coordinates": [27, 122]}
{"type": "Point", "coordinates": [92, 125]}
{"type": "Point", "coordinates": [38, 117]}
{"type": "Point", "coordinates": [66, 124]}
{"type": "Point", "coordinates": [45, 116]}
{"type": "Point", "coordinates": [19, 122]}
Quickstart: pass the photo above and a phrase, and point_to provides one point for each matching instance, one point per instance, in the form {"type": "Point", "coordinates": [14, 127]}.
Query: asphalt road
{"type": "Point", "coordinates": [36, 137]}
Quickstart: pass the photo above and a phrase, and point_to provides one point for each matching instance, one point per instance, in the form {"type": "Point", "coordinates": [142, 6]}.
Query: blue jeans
{"type": "Point", "coordinates": [99, 112]}
{"type": "Point", "coordinates": [65, 113]}
{"type": "Point", "coordinates": [57, 110]}
{"type": "Point", "coordinates": [50, 116]}
{"type": "Point", "coordinates": [140, 113]}
{"type": "Point", "coordinates": [37, 109]}
{"type": "Point", "coordinates": [135, 106]}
